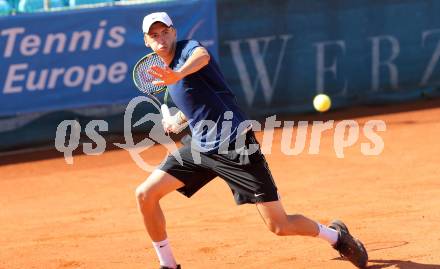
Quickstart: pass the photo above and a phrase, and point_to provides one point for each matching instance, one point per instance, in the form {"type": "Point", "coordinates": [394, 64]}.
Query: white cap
{"type": "Point", "coordinates": [155, 17]}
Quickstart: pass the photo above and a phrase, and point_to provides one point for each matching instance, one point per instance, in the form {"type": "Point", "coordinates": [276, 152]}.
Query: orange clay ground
{"type": "Point", "coordinates": [54, 215]}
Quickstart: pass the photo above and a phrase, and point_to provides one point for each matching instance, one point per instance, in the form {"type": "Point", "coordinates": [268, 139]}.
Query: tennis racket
{"type": "Point", "coordinates": [144, 81]}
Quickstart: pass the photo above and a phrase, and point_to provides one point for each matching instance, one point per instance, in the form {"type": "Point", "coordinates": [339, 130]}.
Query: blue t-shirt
{"type": "Point", "coordinates": [208, 103]}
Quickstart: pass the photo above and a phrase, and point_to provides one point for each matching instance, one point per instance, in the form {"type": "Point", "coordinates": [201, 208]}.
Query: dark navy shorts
{"type": "Point", "coordinates": [247, 175]}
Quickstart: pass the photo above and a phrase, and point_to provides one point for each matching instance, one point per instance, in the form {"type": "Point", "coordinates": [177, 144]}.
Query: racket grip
{"type": "Point", "coordinates": [165, 111]}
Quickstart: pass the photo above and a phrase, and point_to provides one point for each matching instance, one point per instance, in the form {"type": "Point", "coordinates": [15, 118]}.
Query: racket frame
{"type": "Point", "coordinates": [164, 108]}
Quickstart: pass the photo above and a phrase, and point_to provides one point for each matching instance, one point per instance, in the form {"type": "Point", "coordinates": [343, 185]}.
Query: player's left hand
{"type": "Point", "coordinates": [166, 75]}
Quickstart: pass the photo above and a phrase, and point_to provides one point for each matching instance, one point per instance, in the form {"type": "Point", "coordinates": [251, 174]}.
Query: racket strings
{"type": "Point", "coordinates": [143, 79]}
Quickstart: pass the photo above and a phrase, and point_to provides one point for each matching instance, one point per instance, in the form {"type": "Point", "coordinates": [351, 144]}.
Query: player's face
{"type": "Point", "coordinates": [161, 38]}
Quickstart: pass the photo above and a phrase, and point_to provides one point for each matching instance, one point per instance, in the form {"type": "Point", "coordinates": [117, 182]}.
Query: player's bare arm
{"type": "Point", "coordinates": [199, 58]}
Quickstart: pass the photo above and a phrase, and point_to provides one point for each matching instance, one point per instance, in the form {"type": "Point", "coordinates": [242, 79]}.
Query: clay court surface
{"type": "Point", "coordinates": [54, 215]}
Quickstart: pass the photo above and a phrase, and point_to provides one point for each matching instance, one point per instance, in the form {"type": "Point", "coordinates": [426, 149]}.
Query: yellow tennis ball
{"type": "Point", "coordinates": [322, 102]}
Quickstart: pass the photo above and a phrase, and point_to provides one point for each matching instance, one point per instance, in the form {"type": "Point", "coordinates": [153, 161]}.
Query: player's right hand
{"type": "Point", "coordinates": [173, 124]}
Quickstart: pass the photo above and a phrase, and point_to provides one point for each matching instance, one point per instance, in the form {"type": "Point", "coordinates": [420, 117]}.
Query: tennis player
{"type": "Point", "coordinates": [199, 90]}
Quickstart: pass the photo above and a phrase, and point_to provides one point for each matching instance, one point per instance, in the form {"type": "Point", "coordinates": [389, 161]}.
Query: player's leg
{"type": "Point", "coordinates": [251, 181]}
{"type": "Point", "coordinates": [187, 177]}
{"type": "Point", "coordinates": [148, 195]}
{"type": "Point", "coordinates": [278, 222]}
{"type": "Point", "coordinates": [336, 233]}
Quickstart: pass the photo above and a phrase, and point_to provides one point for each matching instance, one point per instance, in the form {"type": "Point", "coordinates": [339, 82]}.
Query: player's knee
{"type": "Point", "coordinates": [145, 195]}
{"type": "Point", "coordinates": [140, 194]}
{"type": "Point", "coordinates": [276, 228]}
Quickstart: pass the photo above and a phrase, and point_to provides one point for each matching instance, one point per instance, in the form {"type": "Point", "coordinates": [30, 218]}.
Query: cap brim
{"type": "Point", "coordinates": [149, 26]}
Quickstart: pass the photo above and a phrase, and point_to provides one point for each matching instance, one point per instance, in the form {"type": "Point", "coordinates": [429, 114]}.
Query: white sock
{"type": "Point", "coordinates": [163, 251]}
{"type": "Point", "coordinates": [328, 234]}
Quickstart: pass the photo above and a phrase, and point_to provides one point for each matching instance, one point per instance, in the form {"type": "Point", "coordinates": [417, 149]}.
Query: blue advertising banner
{"type": "Point", "coordinates": [277, 55]}
{"type": "Point", "coordinates": [80, 58]}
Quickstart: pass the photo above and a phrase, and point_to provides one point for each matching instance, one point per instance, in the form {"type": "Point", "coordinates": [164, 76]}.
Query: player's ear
{"type": "Point", "coordinates": [146, 40]}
